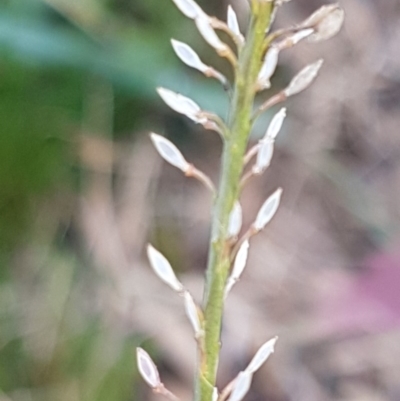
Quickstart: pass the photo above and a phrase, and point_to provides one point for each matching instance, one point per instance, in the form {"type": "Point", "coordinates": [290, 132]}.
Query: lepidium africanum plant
{"type": "Point", "coordinates": [254, 58]}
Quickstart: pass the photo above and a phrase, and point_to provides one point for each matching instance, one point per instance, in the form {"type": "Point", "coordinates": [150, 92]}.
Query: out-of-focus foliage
{"type": "Point", "coordinates": [68, 69]}
{"type": "Point", "coordinates": [50, 51]}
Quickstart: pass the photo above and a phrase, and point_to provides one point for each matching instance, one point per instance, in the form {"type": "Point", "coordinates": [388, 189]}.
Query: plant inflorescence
{"type": "Point", "coordinates": [254, 59]}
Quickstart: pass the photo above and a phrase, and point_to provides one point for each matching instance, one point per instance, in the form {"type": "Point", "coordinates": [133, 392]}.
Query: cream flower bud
{"type": "Point", "coordinates": [233, 23]}
{"type": "Point", "coordinates": [268, 210]}
{"type": "Point", "coordinates": [241, 386]}
{"type": "Point", "coordinates": [261, 355]}
{"type": "Point", "coordinates": [235, 220]}
{"type": "Point", "coordinates": [207, 32]}
{"type": "Point", "coordinates": [264, 155]}
{"type": "Point", "coordinates": [193, 314]}
{"type": "Point", "coordinates": [303, 79]}
{"type": "Point", "coordinates": [240, 261]}
{"type": "Point", "coordinates": [182, 104]}
{"type": "Point", "coordinates": [328, 26]}
{"type": "Point", "coordinates": [163, 269]}
{"type": "Point", "coordinates": [188, 56]}
{"type": "Point", "coordinates": [147, 368]}
{"type": "Point", "coordinates": [326, 21]}
{"type": "Point", "coordinates": [268, 68]}
{"type": "Point", "coordinates": [169, 152]}
{"type": "Point", "coordinates": [238, 267]}
{"type": "Point", "coordinates": [188, 7]}
{"type": "Point", "coordinates": [276, 124]}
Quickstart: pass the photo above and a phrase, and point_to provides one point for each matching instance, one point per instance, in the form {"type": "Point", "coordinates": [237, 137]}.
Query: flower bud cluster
{"type": "Point", "coordinates": [321, 25]}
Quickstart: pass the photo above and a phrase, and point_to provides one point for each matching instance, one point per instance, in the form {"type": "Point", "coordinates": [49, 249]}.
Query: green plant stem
{"type": "Point", "coordinates": [235, 144]}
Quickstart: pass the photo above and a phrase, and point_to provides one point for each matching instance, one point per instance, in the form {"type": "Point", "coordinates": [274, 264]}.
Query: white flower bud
{"type": "Point", "coordinates": [276, 124]}
{"type": "Point", "coordinates": [328, 26]}
{"type": "Point", "coordinates": [261, 355]}
{"type": "Point", "coordinates": [235, 220]}
{"type": "Point", "coordinates": [264, 155]}
{"type": "Point", "coordinates": [188, 56]}
{"type": "Point", "coordinates": [193, 314]}
{"type": "Point", "coordinates": [163, 269]}
{"type": "Point", "coordinates": [182, 104]}
{"type": "Point", "coordinates": [233, 23]}
{"type": "Point", "coordinates": [147, 368]}
{"type": "Point", "coordinates": [238, 267]}
{"type": "Point", "coordinates": [240, 261]}
{"type": "Point", "coordinates": [304, 78]}
{"type": "Point", "coordinates": [268, 68]}
{"type": "Point", "coordinates": [241, 386]}
{"type": "Point", "coordinates": [326, 21]}
{"type": "Point", "coordinates": [207, 32]}
{"type": "Point", "coordinates": [188, 7]}
{"type": "Point", "coordinates": [268, 210]}
{"type": "Point", "coordinates": [169, 152]}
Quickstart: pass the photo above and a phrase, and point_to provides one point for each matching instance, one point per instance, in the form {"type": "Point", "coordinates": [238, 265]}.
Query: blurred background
{"type": "Point", "coordinates": [82, 191]}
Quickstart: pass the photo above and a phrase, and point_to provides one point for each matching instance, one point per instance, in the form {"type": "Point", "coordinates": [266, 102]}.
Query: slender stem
{"type": "Point", "coordinates": [251, 153]}
{"type": "Point", "coordinates": [161, 389]}
{"type": "Point", "coordinates": [199, 175]}
{"type": "Point", "coordinates": [248, 67]}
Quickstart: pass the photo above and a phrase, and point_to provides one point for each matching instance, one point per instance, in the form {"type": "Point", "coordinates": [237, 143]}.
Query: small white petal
{"type": "Point", "coordinates": [264, 155]}
{"type": "Point", "coordinates": [163, 269]}
{"type": "Point", "coordinates": [215, 394]}
{"type": "Point", "coordinates": [192, 313]}
{"type": "Point", "coordinates": [147, 368]}
{"type": "Point", "coordinates": [268, 68]}
{"type": "Point", "coordinates": [235, 220]}
{"type": "Point", "coordinates": [241, 386]}
{"type": "Point", "coordinates": [304, 78]}
{"type": "Point", "coordinates": [181, 104]}
{"type": "Point", "coordinates": [233, 23]}
{"type": "Point", "coordinates": [188, 7]}
{"type": "Point", "coordinates": [240, 261]}
{"type": "Point", "coordinates": [268, 210]}
{"type": "Point", "coordinates": [169, 152]}
{"type": "Point", "coordinates": [207, 32]}
{"type": "Point", "coordinates": [261, 355]}
{"type": "Point", "coordinates": [188, 56]}
{"type": "Point", "coordinates": [276, 124]}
